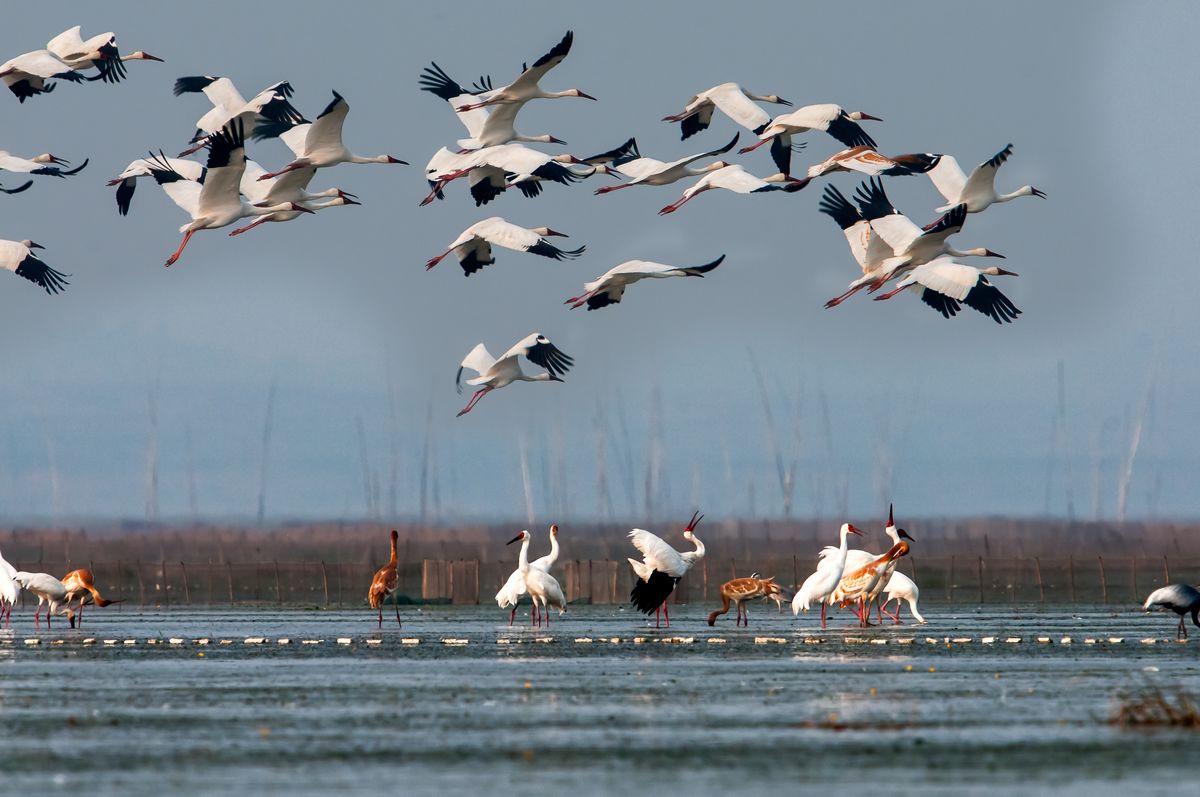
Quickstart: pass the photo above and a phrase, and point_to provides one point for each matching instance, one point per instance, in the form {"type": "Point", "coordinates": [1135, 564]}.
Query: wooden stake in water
{"type": "Point", "coordinates": [325, 582]}
{"type": "Point", "coordinates": [1037, 569]}
{"type": "Point", "coordinates": [1103, 580]}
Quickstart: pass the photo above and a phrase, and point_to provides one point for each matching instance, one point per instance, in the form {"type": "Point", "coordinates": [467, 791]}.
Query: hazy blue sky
{"type": "Point", "coordinates": [876, 401]}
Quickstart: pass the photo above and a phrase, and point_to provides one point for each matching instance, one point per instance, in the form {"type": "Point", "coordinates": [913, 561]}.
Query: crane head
{"type": "Point", "coordinates": [691, 526]}
{"type": "Point", "coordinates": [518, 538]}
{"type": "Point", "coordinates": [904, 535]}
{"type": "Point", "coordinates": [850, 527]}
{"type": "Point", "coordinates": [553, 529]}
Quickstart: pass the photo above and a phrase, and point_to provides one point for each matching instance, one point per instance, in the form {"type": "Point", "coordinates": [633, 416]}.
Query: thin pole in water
{"type": "Point", "coordinates": [1103, 580]}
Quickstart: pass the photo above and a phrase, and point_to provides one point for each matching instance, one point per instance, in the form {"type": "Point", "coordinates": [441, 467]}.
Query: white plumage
{"type": "Point", "coordinates": [1179, 598]}
{"type": "Point", "coordinates": [50, 591]}
{"type": "Point", "coordinates": [649, 171]}
{"type": "Point", "coordinates": [473, 246]}
{"type": "Point", "coordinates": [18, 257]}
{"type": "Point", "coordinates": [496, 373]}
{"type": "Point", "coordinates": [29, 73]}
{"type": "Point", "coordinates": [10, 590]}
{"type": "Point", "coordinates": [510, 594]}
{"type": "Point", "coordinates": [736, 179]}
{"type": "Point", "coordinates": [99, 51]}
{"type": "Point", "coordinates": [732, 100]}
{"type": "Point", "coordinates": [828, 117]}
{"type": "Point", "coordinates": [978, 191]}
{"type": "Point", "coordinates": [901, 587]}
{"type": "Point", "coordinates": [820, 585]}
{"type": "Point", "coordinates": [945, 283]}
{"type": "Point", "coordinates": [265, 115]}
{"type": "Point", "coordinates": [525, 87]}
{"type": "Point", "coordinates": [610, 286]}
{"type": "Point", "coordinates": [542, 587]}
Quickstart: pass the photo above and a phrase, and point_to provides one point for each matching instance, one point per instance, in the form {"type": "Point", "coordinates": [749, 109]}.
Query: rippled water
{"type": "Point", "coordinates": [781, 705]}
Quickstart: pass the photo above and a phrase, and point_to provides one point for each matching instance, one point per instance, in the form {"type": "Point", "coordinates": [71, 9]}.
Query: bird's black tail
{"type": "Point", "coordinates": [647, 596]}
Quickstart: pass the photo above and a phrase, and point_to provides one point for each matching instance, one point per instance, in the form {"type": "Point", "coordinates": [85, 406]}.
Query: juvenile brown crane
{"type": "Point", "coordinates": [384, 584]}
{"type": "Point", "coordinates": [81, 584]}
{"type": "Point", "coordinates": [740, 590]}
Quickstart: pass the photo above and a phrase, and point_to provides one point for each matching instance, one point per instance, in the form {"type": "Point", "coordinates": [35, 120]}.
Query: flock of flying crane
{"type": "Point", "coordinates": [227, 187]}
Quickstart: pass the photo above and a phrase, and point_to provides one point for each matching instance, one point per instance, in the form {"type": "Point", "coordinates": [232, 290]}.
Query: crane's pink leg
{"type": "Point", "coordinates": [666, 614]}
{"type": "Point", "coordinates": [79, 615]}
{"type": "Point", "coordinates": [187, 237]}
{"type": "Point", "coordinates": [380, 623]}
{"type": "Point", "coordinates": [579, 301]}
{"type": "Point", "coordinates": [608, 188]}
{"type": "Point", "coordinates": [755, 145]}
{"type": "Point", "coordinates": [478, 395]}
{"type": "Point", "coordinates": [676, 205]}
{"type": "Point", "coordinates": [291, 167]}
{"type": "Point", "coordinates": [547, 617]}
{"type": "Point", "coordinates": [834, 302]}
{"type": "Point", "coordinates": [881, 297]}
{"type": "Point", "coordinates": [657, 612]}
{"type": "Point", "coordinates": [824, 605]}
{"type": "Point", "coordinates": [249, 227]}
{"type": "Point", "coordinates": [37, 621]}
{"type": "Point", "coordinates": [433, 261]}
{"type": "Point", "coordinates": [512, 615]}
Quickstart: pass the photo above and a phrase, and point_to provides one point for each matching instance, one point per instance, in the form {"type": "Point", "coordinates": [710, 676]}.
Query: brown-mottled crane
{"type": "Point", "coordinates": [384, 584]}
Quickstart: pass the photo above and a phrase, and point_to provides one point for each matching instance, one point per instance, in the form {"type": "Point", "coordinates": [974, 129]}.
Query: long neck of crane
{"type": "Point", "coordinates": [892, 535]}
{"type": "Point", "coordinates": [697, 554]}
{"type": "Point", "coordinates": [842, 549]}
{"type": "Point", "coordinates": [394, 559]}
{"type": "Point", "coordinates": [523, 559]}
{"type": "Point", "coordinates": [553, 548]}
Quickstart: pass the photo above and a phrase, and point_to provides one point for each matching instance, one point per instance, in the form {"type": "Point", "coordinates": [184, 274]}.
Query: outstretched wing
{"type": "Point", "coordinates": [41, 274]}
{"type": "Point", "coordinates": [545, 354]}
{"type": "Point", "coordinates": [531, 75]}
{"type": "Point", "coordinates": [983, 176]}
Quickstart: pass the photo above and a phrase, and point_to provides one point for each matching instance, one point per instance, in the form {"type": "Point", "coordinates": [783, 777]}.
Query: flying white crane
{"type": "Point", "coordinates": [126, 181]}
{"type": "Point", "coordinates": [9, 590]}
{"type": "Point", "coordinates": [485, 128]}
{"type": "Point", "coordinates": [28, 74]}
{"type": "Point", "coordinates": [911, 245]}
{"type": "Point", "coordinates": [18, 257]}
{"type": "Point", "coordinates": [307, 206]}
{"type": "Point", "coordinates": [944, 283]}
{"type": "Point", "coordinates": [44, 164]}
{"type": "Point", "coordinates": [648, 171]}
{"type": "Point", "coordinates": [473, 246]}
{"type": "Point", "coordinates": [831, 118]}
{"type": "Point", "coordinates": [733, 101]}
{"type": "Point", "coordinates": [497, 373]}
{"type": "Point", "coordinates": [977, 192]}
{"type": "Point", "coordinates": [865, 160]}
{"type": "Point", "coordinates": [735, 178]}
{"type": "Point", "coordinates": [218, 202]}
{"type": "Point", "coordinates": [821, 584]}
{"type": "Point", "coordinates": [50, 591]}
{"type": "Point", "coordinates": [610, 286]}
{"type": "Point", "coordinates": [661, 568]}
{"type": "Point", "coordinates": [323, 145]}
{"type": "Point", "coordinates": [525, 87]}
{"type": "Point", "coordinates": [869, 249]}
{"type": "Point", "coordinates": [1179, 598]}
{"type": "Point", "coordinates": [510, 594]}
{"type": "Point", "coordinates": [901, 587]}
{"type": "Point", "coordinates": [80, 54]}
{"type": "Point", "coordinates": [266, 115]}
{"type": "Point", "coordinates": [541, 586]}
{"type": "Point", "coordinates": [494, 169]}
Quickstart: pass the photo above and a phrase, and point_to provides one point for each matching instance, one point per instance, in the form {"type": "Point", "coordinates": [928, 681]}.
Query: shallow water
{"type": "Point", "coordinates": [778, 705]}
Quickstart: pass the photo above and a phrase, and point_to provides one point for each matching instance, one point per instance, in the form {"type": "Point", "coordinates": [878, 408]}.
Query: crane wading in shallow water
{"type": "Point", "coordinates": [510, 594]}
{"type": "Point", "coordinates": [740, 590]}
{"type": "Point", "coordinates": [384, 584]}
{"type": "Point", "coordinates": [661, 568]}
{"type": "Point", "coordinates": [1179, 598]}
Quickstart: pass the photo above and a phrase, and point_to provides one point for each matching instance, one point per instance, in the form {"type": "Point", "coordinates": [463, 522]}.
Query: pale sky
{"type": "Point", "coordinates": [875, 401]}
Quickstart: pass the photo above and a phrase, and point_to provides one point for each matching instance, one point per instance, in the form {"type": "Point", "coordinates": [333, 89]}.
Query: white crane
{"type": "Point", "coordinates": [733, 101]}
{"type": "Point", "coordinates": [126, 181]}
{"type": "Point", "coordinates": [50, 591]}
{"type": "Point", "coordinates": [869, 249]}
{"type": "Point", "coordinates": [9, 590]}
{"type": "Point", "coordinates": [28, 74]}
{"type": "Point", "coordinates": [473, 247]}
{"type": "Point", "coordinates": [866, 160]}
{"type": "Point", "coordinates": [821, 584]}
{"type": "Point", "coordinates": [610, 286]}
{"type": "Point", "coordinates": [831, 118]}
{"type": "Point", "coordinates": [266, 115]}
{"type": "Point", "coordinates": [911, 245]}
{"type": "Point", "coordinates": [525, 87]}
{"type": "Point", "coordinates": [1179, 598]}
{"type": "Point", "coordinates": [901, 587]}
{"type": "Point", "coordinates": [945, 285]}
{"type": "Point", "coordinates": [510, 594]}
{"type": "Point", "coordinates": [307, 206]}
{"type": "Point", "coordinates": [661, 568]}
{"type": "Point", "coordinates": [290, 187]}
{"type": "Point", "coordinates": [977, 192]}
{"type": "Point", "coordinates": [859, 584]}
{"type": "Point", "coordinates": [494, 169]}
{"type": "Point", "coordinates": [44, 164]}
{"type": "Point", "coordinates": [323, 145]}
{"type": "Point", "coordinates": [735, 178]}
{"type": "Point", "coordinates": [497, 373]}
{"type": "Point", "coordinates": [18, 257]}
{"type": "Point", "coordinates": [218, 202]}
{"type": "Point", "coordinates": [485, 128]}
{"type": "Point", "coordinates": [541, 586]}
{"type": "Point", "coordinates": [80, 54]}
{"type": "Point", "coordinates": [648, 171]}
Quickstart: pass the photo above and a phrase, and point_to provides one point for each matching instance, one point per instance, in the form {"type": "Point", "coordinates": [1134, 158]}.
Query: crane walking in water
{"type": "Point", "coordinates": [1179, 598]}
